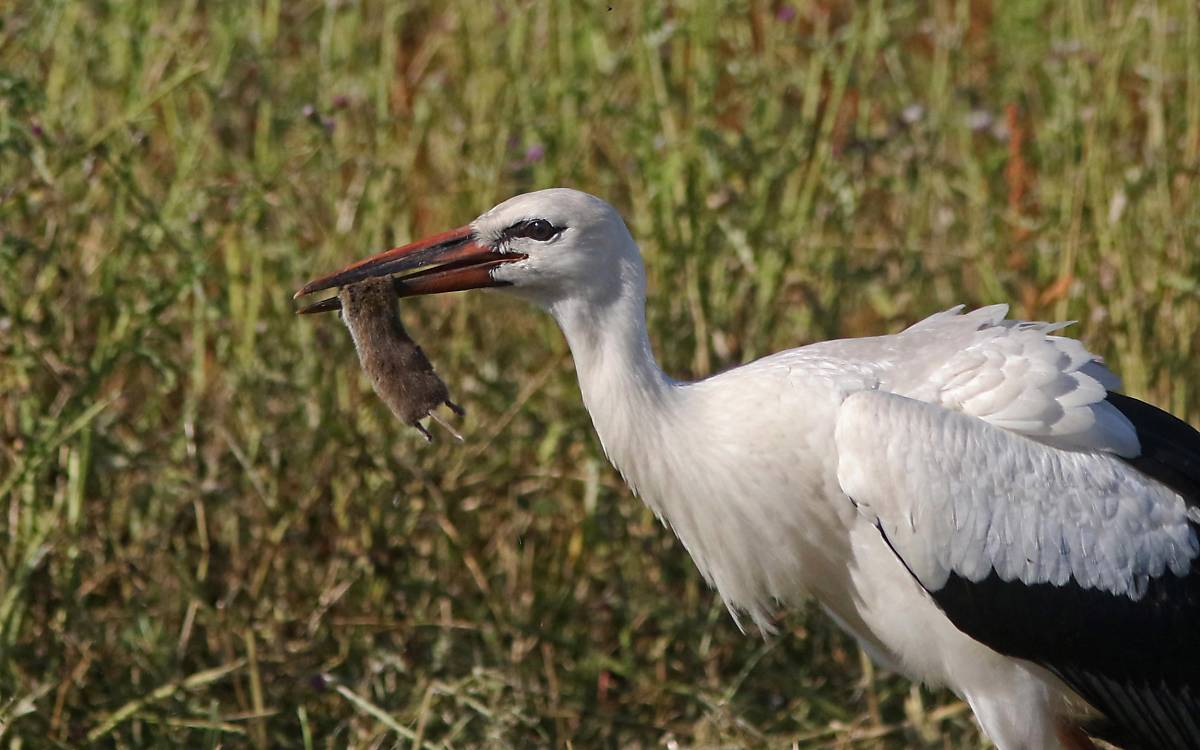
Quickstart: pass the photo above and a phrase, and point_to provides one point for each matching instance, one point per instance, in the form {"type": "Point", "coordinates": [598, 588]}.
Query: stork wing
{"type": "Point", "coordinates": [1079, 560]}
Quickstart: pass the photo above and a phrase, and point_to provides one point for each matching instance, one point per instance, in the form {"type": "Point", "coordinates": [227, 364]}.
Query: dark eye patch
{"type": "Point", "coordinates": [534, 229]}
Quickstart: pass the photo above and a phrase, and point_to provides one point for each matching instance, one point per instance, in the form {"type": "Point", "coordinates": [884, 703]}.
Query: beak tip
{"type": "Point", "coordinates": [326, 305]}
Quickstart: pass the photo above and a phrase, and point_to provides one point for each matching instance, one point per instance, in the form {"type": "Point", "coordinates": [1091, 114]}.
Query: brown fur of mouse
{"type": "Point", "coordinates": [401, 374]}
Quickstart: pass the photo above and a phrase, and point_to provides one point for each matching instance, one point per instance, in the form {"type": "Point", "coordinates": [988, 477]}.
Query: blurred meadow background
{"type": "Point", "coordinates": [212, 534]}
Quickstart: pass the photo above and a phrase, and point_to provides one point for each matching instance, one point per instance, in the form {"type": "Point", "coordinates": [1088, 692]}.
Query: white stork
{"type": "Point", "coordinates": [970, 498]}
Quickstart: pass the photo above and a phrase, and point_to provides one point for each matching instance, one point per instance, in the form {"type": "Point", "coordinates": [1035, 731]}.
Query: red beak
{"type": "Point", "coordinates": [448, 262]}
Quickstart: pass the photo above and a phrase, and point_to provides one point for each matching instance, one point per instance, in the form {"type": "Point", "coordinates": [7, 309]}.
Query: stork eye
{"type": "Point", "coordinates": [535, 229]}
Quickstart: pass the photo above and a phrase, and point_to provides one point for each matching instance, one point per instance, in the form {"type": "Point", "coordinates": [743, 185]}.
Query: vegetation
{"type": "Point", "coordinates": [214, 535]}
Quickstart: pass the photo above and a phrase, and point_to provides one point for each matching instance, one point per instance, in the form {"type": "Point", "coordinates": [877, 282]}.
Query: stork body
{"type": "Point", "coordinates": [968, 498]}
{"type": "Point", "coordinates": [743, 466]}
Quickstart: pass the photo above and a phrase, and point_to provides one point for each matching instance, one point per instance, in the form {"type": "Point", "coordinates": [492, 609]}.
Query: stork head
{"type": "Point", "coordinates": [549, 246]}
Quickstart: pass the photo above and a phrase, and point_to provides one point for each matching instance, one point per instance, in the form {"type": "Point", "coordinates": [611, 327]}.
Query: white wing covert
{"type": "Point", "coordinates": [956, 495]}
{"type": "Point", "coordinates": [1018, 376]}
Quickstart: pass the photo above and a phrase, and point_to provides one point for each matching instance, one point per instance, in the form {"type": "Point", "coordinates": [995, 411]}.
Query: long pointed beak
{"type": "Point", "coordinates": [447, 262]}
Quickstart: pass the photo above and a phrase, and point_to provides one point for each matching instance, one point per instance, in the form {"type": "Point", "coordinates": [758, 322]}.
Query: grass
{"type": "Point", "coordinates": [214, 535]}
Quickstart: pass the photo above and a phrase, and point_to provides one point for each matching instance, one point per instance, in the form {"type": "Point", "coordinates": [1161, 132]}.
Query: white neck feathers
{"type": "Point", "coordinates": [630, 399]}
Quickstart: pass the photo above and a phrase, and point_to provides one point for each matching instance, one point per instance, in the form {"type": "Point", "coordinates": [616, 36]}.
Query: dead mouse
{"type": "Point", "coordinates": [400, 372]}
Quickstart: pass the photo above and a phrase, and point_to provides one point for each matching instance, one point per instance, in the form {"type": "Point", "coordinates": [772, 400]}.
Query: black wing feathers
{"type": "Point", "coordinates": [1170, 446]}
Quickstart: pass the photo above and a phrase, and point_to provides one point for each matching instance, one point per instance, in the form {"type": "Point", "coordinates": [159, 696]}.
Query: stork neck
{"type": "Point", "coordinates": [629, 397]}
